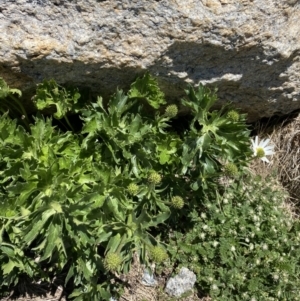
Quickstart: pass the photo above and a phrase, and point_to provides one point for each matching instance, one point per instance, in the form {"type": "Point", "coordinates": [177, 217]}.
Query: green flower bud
{"type": "Point", "coordinates": [133, 188]}
{"type": "Point", "coordinates": [233, 115]}
{"type": "Point", "coordinates": [171, 111]}
{"type": "Point", "coordinates": [177, 202]}
{"type": "Point", "coordinates": [112, 261]}
{"type": "Point", "coordinates": [158, 254]}
{"type": "Point", "coordinates": [231, 169]}
{"type": "Point", "coordinates": [154, 178]}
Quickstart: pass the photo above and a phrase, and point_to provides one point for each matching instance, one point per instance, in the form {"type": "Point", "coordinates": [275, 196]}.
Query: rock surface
{"type": "Point", "coordinates": [181, 283]}
{"type": "Point", "coordinates": [249, 49]}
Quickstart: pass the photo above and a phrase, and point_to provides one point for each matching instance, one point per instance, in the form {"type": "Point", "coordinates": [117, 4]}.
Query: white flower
{"type": "Point", "coordinates": [202, 235]}
{"type": "Point", "coordinates": [215, 243]}
{"type": "Point", "coordinates": [262, 149]}
{"type": "Point", "coordinates": [204, 227]}
{"type": "Point", "coordinates": [214, 287]}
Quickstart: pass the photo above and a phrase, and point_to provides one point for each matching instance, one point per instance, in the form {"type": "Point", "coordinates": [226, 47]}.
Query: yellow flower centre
{"type": "Point", "coordinates": [260, 152]}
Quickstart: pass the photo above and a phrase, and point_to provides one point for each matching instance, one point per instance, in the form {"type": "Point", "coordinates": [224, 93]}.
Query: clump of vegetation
{"type": "Point", "coordinates": [83, 204]}
{"type": "Point", "coordinates": [241, 244]}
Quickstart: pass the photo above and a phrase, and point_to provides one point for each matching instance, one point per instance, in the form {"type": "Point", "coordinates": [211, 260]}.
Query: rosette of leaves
{"type": "Point", "coordinates": [50, 95]}
{"type": "Point", "coordinates": [52, 199]}
{"type": "Point", "coordinates": [212, 138]}
{"type": "Point", "coordinates": [146, 87]}
{"type": "Point", "coordinates": [66, 195]}
{"type": "Point", "coordinates": [9, 102]}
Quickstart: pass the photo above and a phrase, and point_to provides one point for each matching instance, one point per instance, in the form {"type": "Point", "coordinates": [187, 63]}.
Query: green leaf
{"type": "Point", "coordinates": [164, 157]}
{"type": "Point", "coordinates": [91, 126]}
{"type": "Point", "coordinates": [112, 204]}
{"type": "Point", "coordinates": [38, 225]}
{"type": "Point", "coordinates": [7, 249]}
{"type": "Point", "coordinates": [160, 218]}
{"type": "Point", "coordinates": [203, 143]}
{"type": "Point", "coordinates": [86, 268]}
{"type": "Point", "coordinates": [5, 90]}
{"type": "Point", "coordinates": [113, 243]}
{"type": "Point", "coordinates": [52, 236]}
{"type": "Point", "coordinates": [8, 267]}
{"type": "Point", "coordinates": [147, 88]}
{"type": "Point", "coordinates": [70, 274]}
{"type": "Point", "coordinates": [118, 104]}
{"type": "Point", "coordinates": [50, 94]}
{"type": "Point", "coordinates": [24, 190]}
{"type": "Point", "coordinates": [102, 236]}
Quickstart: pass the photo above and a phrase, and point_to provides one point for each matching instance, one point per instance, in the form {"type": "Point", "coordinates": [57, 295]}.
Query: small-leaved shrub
{"type": "Point", "coordinates": [243, 244]}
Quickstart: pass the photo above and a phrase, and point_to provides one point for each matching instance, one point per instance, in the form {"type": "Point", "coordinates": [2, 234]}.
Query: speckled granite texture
{"type": "Point", "coordinates": [249, 49]}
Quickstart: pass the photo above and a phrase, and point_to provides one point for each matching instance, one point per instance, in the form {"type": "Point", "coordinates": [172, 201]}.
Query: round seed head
{"type": "Point", "coordinates": [158, 254]}
{"type": "Point", "coordinates": [233, 115]}
{"type": "Point", "coordinates": [171, 111]}
{"type": "Point", "coordinates": [133, 188]}
{"type": "Point", "coordinates": [112, 261]}
{"type": "Point", "coordinates": [177, 202]}
{"type": "Point", "coordinates": [154, 178]}
{"type": "Point", "coordinates": [231, 169]}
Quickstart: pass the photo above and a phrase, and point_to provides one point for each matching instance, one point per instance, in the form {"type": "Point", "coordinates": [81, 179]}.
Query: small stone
{"type": "Point", "coordinates": [181, 283]}
{"type": "Point", "coordinates": [148, 279]}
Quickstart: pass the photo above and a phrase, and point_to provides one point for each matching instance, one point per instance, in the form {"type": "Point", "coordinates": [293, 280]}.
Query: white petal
{"type": "Point", "coordinates": [269, 153]}
{"type": "Point", "coordinates": [268, 147]}
{"type": "Point", "coordinates": [265, 159]}
{"type": "Point", "coordinates": [265, 142]}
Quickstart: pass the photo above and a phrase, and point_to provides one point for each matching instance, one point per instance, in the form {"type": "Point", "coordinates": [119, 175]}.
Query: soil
{"type": "Point", "coordinates": [134, 290]}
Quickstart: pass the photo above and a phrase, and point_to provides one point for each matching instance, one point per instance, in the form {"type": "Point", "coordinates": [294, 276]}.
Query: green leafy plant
{"type": "Point", "coordinates": [84, 204]}
{"type": "Point", "coordinates": [11, 103]}
{"type": "Point", "coordinates": [147, 88]}
{"type": "Point", "coordinates": [50, 95]}
{"type": "Point", "coordinates": [242, 245]}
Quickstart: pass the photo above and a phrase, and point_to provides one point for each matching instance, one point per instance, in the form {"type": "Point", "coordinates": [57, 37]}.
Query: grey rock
{"type": "Point", "coordinates": [148, 279]}
{"type": "Point", "coordinates": [249, 49]}
{"type": "Point", "coordinates": [181, 283]}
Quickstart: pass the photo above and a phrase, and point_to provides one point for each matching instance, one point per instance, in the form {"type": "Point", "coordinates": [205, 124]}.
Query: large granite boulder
{"type": "Point", "coordinates": [249, 49]}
